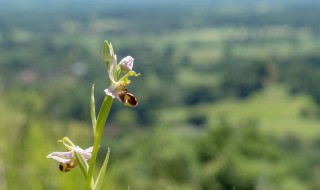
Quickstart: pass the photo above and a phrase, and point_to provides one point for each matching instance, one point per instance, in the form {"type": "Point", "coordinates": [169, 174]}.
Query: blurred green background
{"type": "Point", "coordinates": [228, 97]}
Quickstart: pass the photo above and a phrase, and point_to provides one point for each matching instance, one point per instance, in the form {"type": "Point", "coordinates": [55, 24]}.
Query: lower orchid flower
{"type": "Point", "coordinates": [68, 159]}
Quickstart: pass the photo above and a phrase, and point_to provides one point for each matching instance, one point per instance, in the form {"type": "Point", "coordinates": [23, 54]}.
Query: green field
{"type": "Point", "coordinates": [273, 109]}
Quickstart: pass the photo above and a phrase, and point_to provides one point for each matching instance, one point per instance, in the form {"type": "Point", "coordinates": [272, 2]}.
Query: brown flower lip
{"type": "Point", "coordinates": [127, 98]}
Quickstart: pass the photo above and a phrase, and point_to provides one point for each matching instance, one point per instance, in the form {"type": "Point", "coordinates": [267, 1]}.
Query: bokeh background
{"type": "Point", "coordinates": [228, 97]}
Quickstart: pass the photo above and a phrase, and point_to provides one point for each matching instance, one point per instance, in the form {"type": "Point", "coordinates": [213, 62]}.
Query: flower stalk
{"type": "Point", "coordinates": [102, 116]}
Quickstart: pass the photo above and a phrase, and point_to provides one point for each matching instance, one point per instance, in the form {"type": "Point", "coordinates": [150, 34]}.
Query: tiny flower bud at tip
{"type": "Point", "coordinates": [107, 51]}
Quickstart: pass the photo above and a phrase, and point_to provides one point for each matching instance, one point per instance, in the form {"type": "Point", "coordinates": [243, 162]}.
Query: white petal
{"type": "Point", "coordinates": [63, 157]}
{"type": "Point", "coordinates": [89, 150]}
{"type": "Point", "coordinates": [112, 91]}
{"type": "Point", "coordinates": [112, 67]}
{"type": "Point", "coordinates": [85, 153]}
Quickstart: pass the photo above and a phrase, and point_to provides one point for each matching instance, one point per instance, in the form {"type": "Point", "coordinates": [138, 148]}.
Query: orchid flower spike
{"type": "Point", "coordinates": [67, 159]}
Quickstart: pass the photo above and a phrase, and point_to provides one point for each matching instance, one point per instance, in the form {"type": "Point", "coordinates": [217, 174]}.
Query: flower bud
{"type": "Point", "coordinates": [107, 51]}
{"type": "Point", "coordinates": [126, 63]}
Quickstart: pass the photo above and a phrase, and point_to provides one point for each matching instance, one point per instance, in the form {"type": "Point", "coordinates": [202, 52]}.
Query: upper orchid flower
{"type": "Point", "coordinates": [126, 63]}
{"type": "Point", "coordinates": [118, 86]}
{"type": "Point", "coordinates": [67, 159]}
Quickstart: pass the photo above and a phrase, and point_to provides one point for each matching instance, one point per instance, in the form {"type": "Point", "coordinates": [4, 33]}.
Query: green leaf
{"type": "Point", "coordinates": [83, 166]}
{"type": "Point", "coordinates": [99, 179]}
{"type": "Point", "coordinates": [93, 110]}
{"type": "Point", "coordinates": [82, 163]}
{"type": "Point", "coordinates": [101, 120]}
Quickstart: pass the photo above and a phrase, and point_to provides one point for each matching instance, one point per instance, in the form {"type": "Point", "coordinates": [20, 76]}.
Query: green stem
{"type": "Point", "coordinates": [102, 117]}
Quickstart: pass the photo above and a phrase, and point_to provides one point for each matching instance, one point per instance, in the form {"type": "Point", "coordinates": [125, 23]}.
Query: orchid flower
{"type": "Point", "coordinates": [118, 87]}
{"type": "Point", "coordinates": [68, 159]}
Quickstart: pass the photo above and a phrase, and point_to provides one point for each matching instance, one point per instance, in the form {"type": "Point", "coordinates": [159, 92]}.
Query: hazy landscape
{"type": "Point", "coordinates": [228, 97]}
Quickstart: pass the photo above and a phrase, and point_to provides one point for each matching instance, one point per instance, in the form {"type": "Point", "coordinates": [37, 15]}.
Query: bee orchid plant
{"type": "Point", "coordinates": [118, 77]}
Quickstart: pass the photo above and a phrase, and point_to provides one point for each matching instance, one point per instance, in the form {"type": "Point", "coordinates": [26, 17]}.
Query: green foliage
{"type": "Point", "coordinates": [241, 79]}
{"type": "Point", "coordinates": [239, 157]}
{"type": "Point", "coordinates": [168, 159]}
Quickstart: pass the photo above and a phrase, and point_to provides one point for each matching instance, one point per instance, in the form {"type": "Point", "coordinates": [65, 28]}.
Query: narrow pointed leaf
{"type": "Point", "coordinates": [82, 163]}
{"type": "Point", "coordinates": [93, 110]}
{"type": "Point", "coordinates": [83, 166]}
{"type": "Point", "coordinates": [99, 179]}
{"type": "Point", "coordinates": [101, 119]}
